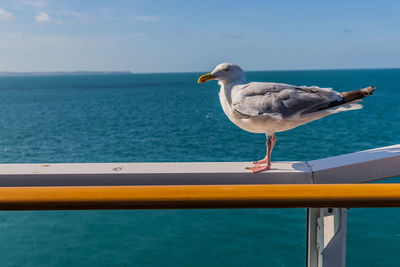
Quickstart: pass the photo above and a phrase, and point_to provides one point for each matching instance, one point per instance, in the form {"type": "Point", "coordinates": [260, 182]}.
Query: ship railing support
{"type": "Point", "coordinates": [326, 237]}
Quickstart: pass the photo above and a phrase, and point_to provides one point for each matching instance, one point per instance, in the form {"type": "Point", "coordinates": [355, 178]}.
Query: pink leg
{"type": "Point", "coordinates": [265, 164]}
{"type": "Point", "coordinates": [264, 160]}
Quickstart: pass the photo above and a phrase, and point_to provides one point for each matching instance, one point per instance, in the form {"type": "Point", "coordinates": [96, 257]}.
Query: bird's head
{"type": "Point", "coordinates": [225, 72]}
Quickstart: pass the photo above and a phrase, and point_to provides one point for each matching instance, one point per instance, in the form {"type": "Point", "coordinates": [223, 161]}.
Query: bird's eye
{"type": "Point", "coordinates": [226, 69]}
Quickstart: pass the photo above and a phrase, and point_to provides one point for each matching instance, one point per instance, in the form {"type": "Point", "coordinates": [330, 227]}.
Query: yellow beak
{"type": "Point", "coordinates": [206, 77]}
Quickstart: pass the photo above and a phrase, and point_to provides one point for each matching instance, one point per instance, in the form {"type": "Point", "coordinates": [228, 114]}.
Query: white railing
{"type": "Point", "coordinates": [77, 185]}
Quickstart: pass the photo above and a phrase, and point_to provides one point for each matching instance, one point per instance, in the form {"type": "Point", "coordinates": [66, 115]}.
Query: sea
{"type": "Point", "coordinates": [169, 117]}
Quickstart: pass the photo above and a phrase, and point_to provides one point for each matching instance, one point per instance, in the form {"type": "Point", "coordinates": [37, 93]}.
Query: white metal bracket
{"type": "Point", "coordinates": [326, 237]}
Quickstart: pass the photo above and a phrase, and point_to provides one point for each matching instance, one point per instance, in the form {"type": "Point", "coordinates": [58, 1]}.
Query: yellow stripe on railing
{"type": "Point", "coordinates": [202, 196]}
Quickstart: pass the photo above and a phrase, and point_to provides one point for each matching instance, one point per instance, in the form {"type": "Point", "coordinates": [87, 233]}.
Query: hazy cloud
{"type": "Point", "coordinates": [42, 17]}
{"type": "Point", "coordinates": [5, 15]}
{"type": "Point", "coordinates": [81, 17]}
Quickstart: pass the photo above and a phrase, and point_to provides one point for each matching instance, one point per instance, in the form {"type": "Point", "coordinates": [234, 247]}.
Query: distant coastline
{"type": "Point", "coordinates": [63, 73]}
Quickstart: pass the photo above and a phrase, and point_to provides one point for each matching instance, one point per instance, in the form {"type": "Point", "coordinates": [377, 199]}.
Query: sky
{"type": "Point", "coordinates": [185, 36]}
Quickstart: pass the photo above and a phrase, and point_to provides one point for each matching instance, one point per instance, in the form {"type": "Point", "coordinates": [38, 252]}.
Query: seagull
{"type": "Point", "coordinates": [268, 107]}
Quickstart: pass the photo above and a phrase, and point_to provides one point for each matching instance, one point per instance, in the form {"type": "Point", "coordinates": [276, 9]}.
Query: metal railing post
{"type": "Point", "coordinates": [326, 237]}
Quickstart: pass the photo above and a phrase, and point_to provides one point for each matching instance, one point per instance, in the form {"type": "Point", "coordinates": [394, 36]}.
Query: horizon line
{"type": "Point", "coordinates": [4, 73]}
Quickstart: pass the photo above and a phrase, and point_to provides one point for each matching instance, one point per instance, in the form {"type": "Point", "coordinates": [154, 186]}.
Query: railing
{"type": "Point", "coordinates": [200, 196]}
{"type": "Point", "coordinates": [326, 187]}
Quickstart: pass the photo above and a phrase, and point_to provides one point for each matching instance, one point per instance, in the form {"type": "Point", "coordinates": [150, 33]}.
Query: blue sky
{"type": "Point", "coordinates": [176, 36]}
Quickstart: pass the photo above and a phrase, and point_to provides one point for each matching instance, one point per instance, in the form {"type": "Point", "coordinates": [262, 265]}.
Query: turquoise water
{"type": "Point", "coordinates": [169, 117]}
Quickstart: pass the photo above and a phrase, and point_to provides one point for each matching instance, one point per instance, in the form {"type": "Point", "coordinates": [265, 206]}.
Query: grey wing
{"type": "Point", "coordinates": [282, 100]}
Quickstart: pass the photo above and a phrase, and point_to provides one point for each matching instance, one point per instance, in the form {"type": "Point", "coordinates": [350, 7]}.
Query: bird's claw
{"type": "Point", "coordinates": [259, 168]}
